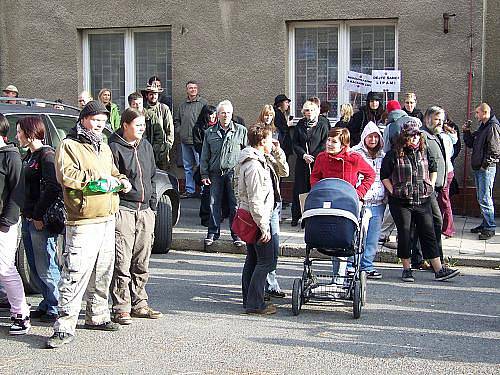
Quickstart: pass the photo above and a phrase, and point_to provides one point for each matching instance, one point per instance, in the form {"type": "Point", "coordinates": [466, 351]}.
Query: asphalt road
{"type": "Point", "coordinates": [421, 328]}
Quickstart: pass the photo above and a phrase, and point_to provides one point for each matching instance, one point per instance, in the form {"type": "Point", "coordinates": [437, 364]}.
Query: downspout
{"type": "Point", "coordinates": [483, 46]}
{"type": "Point", "coordinates": [469, 95]}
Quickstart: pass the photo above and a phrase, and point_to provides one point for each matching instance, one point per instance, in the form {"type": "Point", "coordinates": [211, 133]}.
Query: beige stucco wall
{"type": "Point", "coordinates": [238, 49]}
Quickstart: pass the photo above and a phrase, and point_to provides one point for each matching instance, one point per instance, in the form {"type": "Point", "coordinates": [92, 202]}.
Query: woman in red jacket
{"type": "Point", "coordinates": [339, 161]}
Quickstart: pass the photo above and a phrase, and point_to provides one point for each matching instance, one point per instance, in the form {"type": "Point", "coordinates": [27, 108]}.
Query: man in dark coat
{"type": "Point", "coordinates": [485, 144]}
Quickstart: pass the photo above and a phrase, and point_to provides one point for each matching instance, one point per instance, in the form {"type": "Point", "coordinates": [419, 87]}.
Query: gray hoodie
{"type": "Point", "coordinates": [395, 122]}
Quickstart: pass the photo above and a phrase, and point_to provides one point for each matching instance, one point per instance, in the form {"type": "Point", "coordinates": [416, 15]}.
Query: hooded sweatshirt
{"type": "Point", "coordinates": [347, 165]}
{"type": "Point", "coordinates": [11, 185]}
{"type": "Point", "coordinates": [376, 195]}
{"type": "Point", "coordinates": [137, 162]}
{"type": "Point", "coordinates": [255, 187]}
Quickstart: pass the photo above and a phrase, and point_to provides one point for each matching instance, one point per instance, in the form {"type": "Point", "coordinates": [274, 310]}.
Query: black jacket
{"type": "Point", "coordinates": [485, 144]}
{"type": "Point", "coordinates": [360, 119]}
{"type": "Point", "coordinates": [315, 139]}
{"type": "Point", "coordinates": [281, 123]}
{"type": "Point", "coordinates": [198, 134]}
{"type": "Point", "coordinates": [415, 113]}
{"type": "Point", "coordinates": [138, 164]}
{"type": "Point", "coordinates": [40, 184]}
{"type": "Point", "coordinates": [11, 185]}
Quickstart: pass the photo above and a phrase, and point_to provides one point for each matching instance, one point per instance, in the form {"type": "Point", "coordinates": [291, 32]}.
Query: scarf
{"type": "Point", "coordinates": [94, 139]}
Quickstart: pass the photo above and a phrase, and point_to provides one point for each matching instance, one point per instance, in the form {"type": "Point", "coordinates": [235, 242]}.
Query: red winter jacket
{"type": "Point", "coordinates": [347, 165]}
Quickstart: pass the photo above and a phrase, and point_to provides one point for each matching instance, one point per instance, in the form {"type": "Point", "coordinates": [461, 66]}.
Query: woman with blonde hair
{"type": "Point", "coordinates": [410, 102]}
{"type": "Point", "coordinates": [346, 112]}
{"type": "Point", "coordinates": [308, 141]}
{"type": "Point", "coordinates": [114, 112]}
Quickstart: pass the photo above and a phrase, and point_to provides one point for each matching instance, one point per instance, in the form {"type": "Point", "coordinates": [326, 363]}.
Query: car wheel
{"type": "Point", "coordinates": [163, 226]}
{"type": "Point", "coordinates": [30, 285]}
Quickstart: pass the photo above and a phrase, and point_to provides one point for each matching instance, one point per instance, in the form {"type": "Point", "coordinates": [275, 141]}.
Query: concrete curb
{"type": "Point", "coordinates": [298, 250]}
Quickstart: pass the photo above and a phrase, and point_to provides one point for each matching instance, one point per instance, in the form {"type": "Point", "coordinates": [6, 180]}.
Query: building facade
{"type": "Point", "coordinates": [250, 51]}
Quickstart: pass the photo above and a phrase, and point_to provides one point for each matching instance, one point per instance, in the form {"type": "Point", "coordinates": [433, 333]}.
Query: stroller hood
{"type": "Point", "coordinates": [333, 196]}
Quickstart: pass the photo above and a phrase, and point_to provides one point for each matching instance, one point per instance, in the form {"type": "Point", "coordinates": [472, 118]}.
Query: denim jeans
{"type": "Point", "coordinates": [9, 277]}
{"type": "Point", "coordinates": [190, 160]}
{"type": "Point", "coordinates": [272, 280]}
{"type": "Point", "coordinates": [372, 235]}
{"type": "Point", "coordinates": [485, 180]}
{"type": "Point", "coordinates": [218, 186]}
{"type": "Point", "coordinates": [258, 263]}
{"type": "Point", "coordinates": [41, 252]}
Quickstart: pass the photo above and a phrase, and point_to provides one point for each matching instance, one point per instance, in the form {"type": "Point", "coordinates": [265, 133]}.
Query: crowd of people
{"type": "Point", "coordinates": [399, 160]}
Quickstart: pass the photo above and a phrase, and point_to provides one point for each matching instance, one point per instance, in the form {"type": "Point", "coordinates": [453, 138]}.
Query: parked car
{"type": "Point", "coordinates": [57, 123]}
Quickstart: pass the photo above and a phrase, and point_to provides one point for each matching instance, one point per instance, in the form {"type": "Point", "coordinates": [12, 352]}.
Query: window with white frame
{"type": "Point", "coordinates": [321, 54]}
{"type": "Point", "coordinates": [124, 59]}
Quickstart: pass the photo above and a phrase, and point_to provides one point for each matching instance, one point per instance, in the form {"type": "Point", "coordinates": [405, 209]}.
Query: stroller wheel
{"type": "Point", "coordinates": [362, 284]}
{"type": "Point", "coordinates": [296, 296]}
{"type": "Point", "coordinates": [356, 300]}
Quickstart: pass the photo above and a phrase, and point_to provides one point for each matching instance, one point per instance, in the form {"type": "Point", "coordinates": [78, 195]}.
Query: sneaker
{"type": "Point", "coordinates": [49, 318]}
{"type": "Point", "coordinates": [276, 293]}
{"type": "Point", "coordinates": [108, 326]}
{"type": "Point", "coordinates": [374, 275]}
{"type": "Point", "coordinates": [407, 276]}
{"type": "Point", "coordinates": [382, 240]}
{"type": "Point", "coordinates": [59, 339]}
{"type": "Point", "coordinates": [477, 229]}
{"type": "Point", "coordinates": [486, 234]}
{"type": "Point", "coordinates": [238, 242]}
{"type": "Point", "coordinates": [446, 273]}
{"type": "Point", "coordinates": [146, 312]}
{"type": "Point", "coordinates": [122, 318]}
{"type": "Point", "coordinates": [391, 245]}
{"type": "Point", "coordinates": [268, 310]}
{"type": "Point", "coordinates": [209, 240]}
{"type": "Point", "coordinates": [20, 325]}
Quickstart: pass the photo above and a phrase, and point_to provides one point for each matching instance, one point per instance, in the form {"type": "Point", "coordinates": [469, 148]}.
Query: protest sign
{"type": "Point", "coordinates": [386, 80]}
{"type": "Point", "coordinates": [358, 82]}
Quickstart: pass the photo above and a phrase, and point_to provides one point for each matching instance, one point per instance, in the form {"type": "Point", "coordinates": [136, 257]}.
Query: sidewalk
{"type": "Point", "coordinates": [464, 249]}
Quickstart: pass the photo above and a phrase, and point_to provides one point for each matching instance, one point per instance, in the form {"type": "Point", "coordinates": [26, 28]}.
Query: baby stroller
{"type": "Point", "coordinates": [334, 226]}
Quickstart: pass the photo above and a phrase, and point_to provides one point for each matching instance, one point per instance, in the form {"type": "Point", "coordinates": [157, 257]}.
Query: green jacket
{"type": "Point", "coordinates": [155, 135]}
{"type": "Point", "coordinates": [186, 117]}
{"type": "Point", "coordinates": [221, 154]}
{"type": "Point", "coordinates": [166, 122]}
{"type": "Point", "coordinates": [114, 117]}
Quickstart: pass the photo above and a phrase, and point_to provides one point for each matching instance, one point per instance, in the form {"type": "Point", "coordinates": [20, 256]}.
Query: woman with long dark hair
{"type": "Point", "coordinates": [206, 119]}
{"type": "Point", "coordinates": [41, 191]}
{"type": "Point", "coordinates": [409, 174]}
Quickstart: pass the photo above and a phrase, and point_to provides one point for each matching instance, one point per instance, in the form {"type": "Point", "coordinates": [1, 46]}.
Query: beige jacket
{"type": "Point", "coordinates": [76, 165]}
{"type": "Point", "coordinates": [255, 187]}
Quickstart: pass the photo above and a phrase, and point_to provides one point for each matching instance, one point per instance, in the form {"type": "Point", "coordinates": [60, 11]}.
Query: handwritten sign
{"type": "Point", "coordinates": [358, 82]}
{"type": "Point", "coordinates": [386, 80]}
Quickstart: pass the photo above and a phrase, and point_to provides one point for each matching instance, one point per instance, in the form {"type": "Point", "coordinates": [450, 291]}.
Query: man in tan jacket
{"type": "Point", "coordinates": [90, 181]}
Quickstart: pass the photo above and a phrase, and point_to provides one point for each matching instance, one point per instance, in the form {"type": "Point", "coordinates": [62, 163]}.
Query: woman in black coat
{"type": "Point", "coordinates": [206, 119]}
{"type": "Point", "coordinates": [372, 111]}
{"type": "Point", "coordinates": [309, 139]}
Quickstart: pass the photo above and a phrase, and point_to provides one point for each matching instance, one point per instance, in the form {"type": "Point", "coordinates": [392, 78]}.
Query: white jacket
{"type": "Point", "coordinates": [255, 187]}
{"type": "Point", "coordinates": [377, 193]}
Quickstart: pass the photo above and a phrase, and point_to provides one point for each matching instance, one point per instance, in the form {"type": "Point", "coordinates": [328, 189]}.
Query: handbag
{"type": "Point", "coordinates": [245, 227]}
{"type": "Point", "coordinates": [55, 216]}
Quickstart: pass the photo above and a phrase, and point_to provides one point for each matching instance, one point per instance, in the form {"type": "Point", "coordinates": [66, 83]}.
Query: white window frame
{"type": "Point", "coordinates": [344, 41]}
{"type": "Point", "coordinates": [129, 53]}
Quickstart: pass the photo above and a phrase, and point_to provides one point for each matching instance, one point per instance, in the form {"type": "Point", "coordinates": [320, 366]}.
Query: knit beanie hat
{"type": "Point", "coordinates": [93, 107]}
{"type": "Point", "coordinates": [392, 105]}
